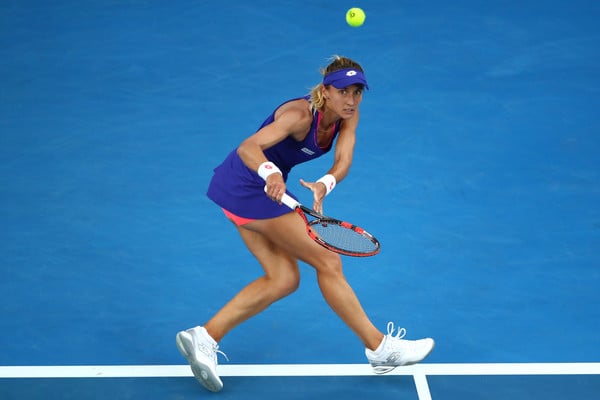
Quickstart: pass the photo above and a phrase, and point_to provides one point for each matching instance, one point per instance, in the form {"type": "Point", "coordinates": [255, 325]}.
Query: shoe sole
{"type": "Point", "coordinates": [201, 372]}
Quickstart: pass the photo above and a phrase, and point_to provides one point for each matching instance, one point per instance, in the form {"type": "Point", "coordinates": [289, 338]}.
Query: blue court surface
{"type": "Point", "coordinates": [477, 166]}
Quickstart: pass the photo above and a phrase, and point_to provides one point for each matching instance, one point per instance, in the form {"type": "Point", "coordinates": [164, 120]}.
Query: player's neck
{"type": "Point", "coordinates": [328, 119]}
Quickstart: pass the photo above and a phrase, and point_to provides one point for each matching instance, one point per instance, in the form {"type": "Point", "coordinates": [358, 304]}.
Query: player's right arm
{"type": "Point", "coordinates": [288, 122]}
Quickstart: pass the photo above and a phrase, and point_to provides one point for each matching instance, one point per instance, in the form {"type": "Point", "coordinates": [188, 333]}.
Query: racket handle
{"type": "Point", "coordinates": [287, 200]}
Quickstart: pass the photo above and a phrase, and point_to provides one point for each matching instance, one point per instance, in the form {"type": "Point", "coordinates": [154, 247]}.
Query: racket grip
{"type": "Point", "coordinates": [287, 200]}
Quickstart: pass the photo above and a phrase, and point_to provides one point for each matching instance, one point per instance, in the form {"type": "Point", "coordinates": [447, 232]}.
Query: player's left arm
{"type": "Point", "coordinates": [344, 148]}
{"type": "Point", "coordinates": [342, 161]}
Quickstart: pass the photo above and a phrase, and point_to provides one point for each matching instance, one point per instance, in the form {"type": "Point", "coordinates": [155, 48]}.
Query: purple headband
{"type": "Point", "coordinates": [344, 78]}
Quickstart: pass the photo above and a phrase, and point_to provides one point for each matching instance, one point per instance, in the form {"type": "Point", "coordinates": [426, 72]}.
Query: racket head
{"type": "Point", "coordinates": [333, 234]}
{"type": "Point", "coordinates": [343, 237]}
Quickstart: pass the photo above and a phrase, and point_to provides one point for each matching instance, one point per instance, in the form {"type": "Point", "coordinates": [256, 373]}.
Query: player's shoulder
{"type": "Point", "coordinates": [295, 110]}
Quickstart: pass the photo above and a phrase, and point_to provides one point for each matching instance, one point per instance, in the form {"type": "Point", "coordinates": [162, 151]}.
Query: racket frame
{"type": "Point", "coordinates": [301, 210]}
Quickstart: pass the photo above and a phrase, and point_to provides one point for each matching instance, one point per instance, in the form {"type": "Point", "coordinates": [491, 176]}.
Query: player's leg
{"type": "Point", "coordinates": [383, 352]}
{"type": "Point", "coordinates": [199, 345]}
{"type": "Point", "coordinates": [281, 278]}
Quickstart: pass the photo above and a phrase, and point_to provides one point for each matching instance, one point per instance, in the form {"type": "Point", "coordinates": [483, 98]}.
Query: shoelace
{"type": "Point", "coordinates": [216, 348]}
{"type": "Point", "coordinates": [211, 351]}
{"type": "Point", "coordinates": [399, 335]}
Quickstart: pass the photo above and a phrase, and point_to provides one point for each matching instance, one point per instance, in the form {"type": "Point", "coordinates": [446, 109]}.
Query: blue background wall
{"type": "Point", "coordinates": [477, 166]}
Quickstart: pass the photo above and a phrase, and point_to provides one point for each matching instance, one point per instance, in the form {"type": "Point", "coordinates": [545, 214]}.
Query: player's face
{"type": "Point", "coordinates": [344, 101]}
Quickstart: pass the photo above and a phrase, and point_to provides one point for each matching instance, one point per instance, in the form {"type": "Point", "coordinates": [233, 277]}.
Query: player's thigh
{"type": "Point", "coordinates": [274, 260]}
{"type": "Point", "coordinates": [288, 234]}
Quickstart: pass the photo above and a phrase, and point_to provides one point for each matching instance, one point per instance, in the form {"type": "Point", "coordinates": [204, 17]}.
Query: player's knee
{"type": "Point", "coordinates": [286, 284]}
{"type": "Point", "coordinates": [331, 265]}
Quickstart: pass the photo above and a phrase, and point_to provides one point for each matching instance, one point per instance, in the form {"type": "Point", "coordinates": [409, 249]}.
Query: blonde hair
{"type": "Point", "coordinates": [336, 63]}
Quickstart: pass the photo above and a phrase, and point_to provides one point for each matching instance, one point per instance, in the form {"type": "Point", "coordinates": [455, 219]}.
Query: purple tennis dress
{"type": "Point", "coordinates": [240, 190]}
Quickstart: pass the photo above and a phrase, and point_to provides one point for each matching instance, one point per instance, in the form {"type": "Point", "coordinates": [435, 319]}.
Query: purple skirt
{"type": "Point", "coordinates": [240, 190]}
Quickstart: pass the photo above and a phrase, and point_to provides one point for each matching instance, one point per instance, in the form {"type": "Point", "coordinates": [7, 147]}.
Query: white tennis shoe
{"type": "Point", "coordinates": [201, 350]}
{"type": "Point", "coordinates": [395, 351]}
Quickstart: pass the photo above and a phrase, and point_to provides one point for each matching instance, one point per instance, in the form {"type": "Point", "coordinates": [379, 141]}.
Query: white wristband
{"type": "Point", "coordinates": [329, 182]}
{"type": "Point", "coordinates": [267, 168]}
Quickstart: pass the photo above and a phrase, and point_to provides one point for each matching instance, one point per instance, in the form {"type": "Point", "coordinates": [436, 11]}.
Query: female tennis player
{"type": "Point", "coordinates": [297, 131]}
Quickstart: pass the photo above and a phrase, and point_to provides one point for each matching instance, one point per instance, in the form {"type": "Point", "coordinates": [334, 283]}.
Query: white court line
{"type": "Point", "coordinates": [422, 387]}
{"type": "Point", "coordinates": [419, 371]}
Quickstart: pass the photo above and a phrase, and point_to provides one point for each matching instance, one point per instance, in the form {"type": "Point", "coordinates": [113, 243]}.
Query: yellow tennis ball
{"type": "Point", "coordinates": [355, 17]}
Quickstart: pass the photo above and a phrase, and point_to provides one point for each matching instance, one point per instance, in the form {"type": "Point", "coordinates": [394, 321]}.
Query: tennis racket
{"type": "Point", "coordinates": [335, 235]}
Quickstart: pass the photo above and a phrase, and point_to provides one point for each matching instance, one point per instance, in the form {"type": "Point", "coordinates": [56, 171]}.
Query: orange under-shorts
{"type": "Point", "coordinates": [236, 218]}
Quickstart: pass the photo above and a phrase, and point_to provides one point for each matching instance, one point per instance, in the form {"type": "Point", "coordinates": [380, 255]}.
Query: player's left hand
{"type": "Point", "coordinates": [319, 191]}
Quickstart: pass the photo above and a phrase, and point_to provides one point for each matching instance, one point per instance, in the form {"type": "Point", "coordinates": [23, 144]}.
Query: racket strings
{"type": "Point", "coordinates": [344, 237]}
